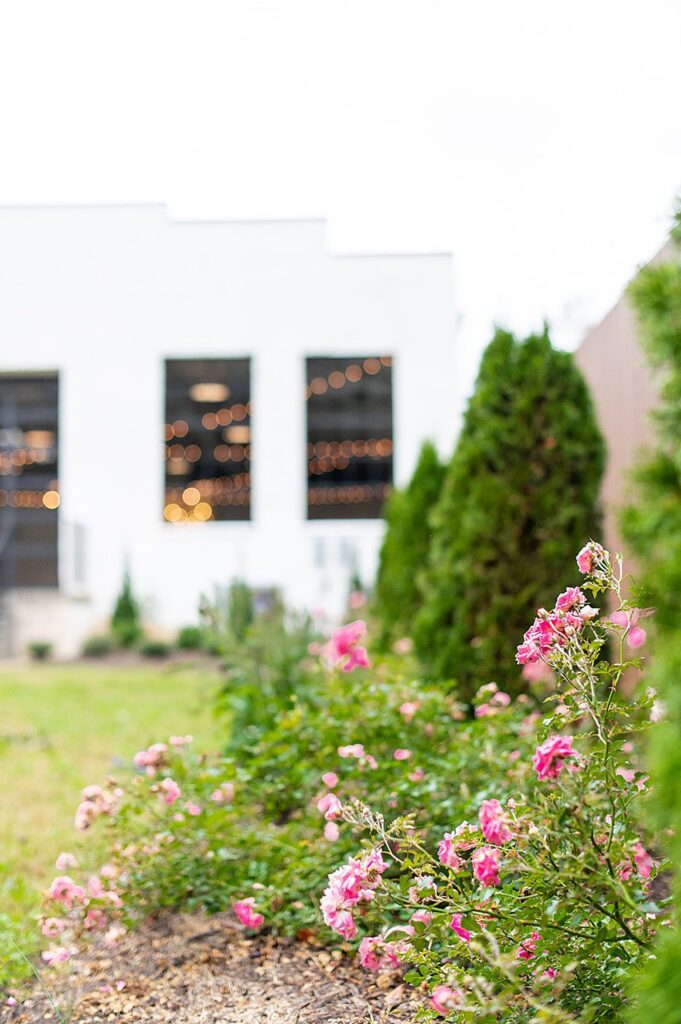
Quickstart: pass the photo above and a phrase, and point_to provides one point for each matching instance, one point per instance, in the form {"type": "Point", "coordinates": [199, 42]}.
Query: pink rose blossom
{"type": "Point", "coordinates": [525, 950]}
{"type": "Point", "coordinates": [494, 823]}
{"type": "Point", "coordinates": [65, 891]}
{"type": "Point", "coordinates": [401, 754]}
{"type": "Point", "coordinates": [180, 741]}
{"type": "Point", "coordinates": [330, 806]}
{"type": "Point", "coordinates": [353, 883]}
{"type": "Point", "coordinates": [52, 927]}
{"type": "Point", "coordinates": [344, 647]}
{"type": "Point", "coordinates": [422, 916]}
{"type": "Point", "coordinates": [357, 599]}
{"type": "Point", "coordinates": [57, 955]}
{"type": "Point", "coordinates": [550, 973]}
{"type": "Point", "coordinates": [192, 808]}
{"type": "Point", "coordinates": [417, 775]}
{"type": "Point", "coordinates": [224, 794]}
{"type": "Point", "coordinates": [409, 709]}
{"type": "Point", "coordinates": [485, 863]}
{"type": "Point", "coordinates": [169, 791]}
{"type": "Point", "coordinates": [375, 954]}
{"type": "Point", "coordinates": [113, 934]}
{"type": "Point", "coordinates": [636, 637]}
{"type": "Point", "coordinates": [244, 910]}
{"type": "Point", "coordinates": [455, 925]}
{"type": "Point", "coordinates": [549, 756]}
{"type": "Point", "coordinates": [353, 750]}
{"type": "Point", "coordinates": [65, 862]}
{"type": "Point", "coordinates": [620, 618]}
{"type": "Point", "coordinates": [446, 852]}
{"type": "Point", "coordinates": [330, 779]}
{"type": "Point", "coordinates": [644, 862]}
{"type": "Point", "coordinates": [444, 999]}
{"type": "Point", "coordinates": [95, 919]}
{"type": "Point", "coordinates": [403, 646]}
{"type": "Point", "coordinates": [591, 555]}
{"type": "Point", "coordinates": [569, 599]}
{"type": "Point", "coordinates": [331, 832]}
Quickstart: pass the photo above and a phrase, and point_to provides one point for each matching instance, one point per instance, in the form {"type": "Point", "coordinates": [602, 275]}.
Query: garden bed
{"type": "Point", "coordinates": [192, 969]}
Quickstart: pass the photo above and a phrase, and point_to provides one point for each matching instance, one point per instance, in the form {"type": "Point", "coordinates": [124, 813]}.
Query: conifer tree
{"type": "Point", "coordinates": [653, 529]}
{"type": "Point", "coordinates": [519, 499]}
{"type": "Point", "coordinates": [405, 546]}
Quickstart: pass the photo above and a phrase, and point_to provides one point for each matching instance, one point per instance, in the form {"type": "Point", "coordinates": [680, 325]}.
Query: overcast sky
{"type": "Point", "coordinates": [540, 142]}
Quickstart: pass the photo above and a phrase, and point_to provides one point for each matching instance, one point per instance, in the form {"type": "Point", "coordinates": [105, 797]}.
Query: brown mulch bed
{"type": "Point", "coordinates": [200, 970]}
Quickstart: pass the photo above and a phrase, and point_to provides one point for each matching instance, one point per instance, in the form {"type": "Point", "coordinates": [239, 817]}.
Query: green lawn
{"type": "Point", "coordinates": [62, 727]}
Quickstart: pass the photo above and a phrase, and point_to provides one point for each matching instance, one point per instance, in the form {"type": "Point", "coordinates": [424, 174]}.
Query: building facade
{"type": "Point", "coordinates": [200, 402]}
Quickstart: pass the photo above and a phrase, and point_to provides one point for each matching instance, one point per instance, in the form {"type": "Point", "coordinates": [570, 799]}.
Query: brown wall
{"type": "Point", "coordinates": [621, 383]}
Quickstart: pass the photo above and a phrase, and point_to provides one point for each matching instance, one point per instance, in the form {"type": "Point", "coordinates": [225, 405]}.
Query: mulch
{"type": "Point", "coordinates": [192, 969]}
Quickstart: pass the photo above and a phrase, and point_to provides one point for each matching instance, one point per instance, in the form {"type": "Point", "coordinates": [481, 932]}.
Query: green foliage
{"type": "Point", "coordinates": [125, 621]}
{"type": "Point", "coordinates": [97, 647]}
{"type": "Point", "coordinates": [518, 500]}
{"type": "Point", "coordinates": [652, 527]}
{"type": "Point", "coordinates": [40, 650]}
{"type": "Point", "coordinates": [189, 638]}
{"type": "Point", "coordinates": [155, 649]}
{"type": "Point", "coordinates": [405, 546]}
{"type": "Point", "coordinates": [264, 673]}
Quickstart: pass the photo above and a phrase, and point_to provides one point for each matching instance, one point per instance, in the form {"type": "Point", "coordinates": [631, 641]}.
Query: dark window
{"type": "Point", "coordinates": [207, 440]}
{"type": "Point", "coordinates": [29, 491]}
{"type": "Point", "coordinates": [349, 436]}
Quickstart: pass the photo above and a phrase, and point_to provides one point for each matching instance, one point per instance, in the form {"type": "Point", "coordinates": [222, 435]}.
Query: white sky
{"type": "Point", "coordinates": [540, 142]}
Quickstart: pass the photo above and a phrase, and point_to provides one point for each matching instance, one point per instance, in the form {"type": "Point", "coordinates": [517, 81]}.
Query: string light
{"type": "Point", "coordinates": [347, 495]}
{"type": "Point", "coordinates": [352, 374]}
{"type": "Point", "coordinates": [30, 499]}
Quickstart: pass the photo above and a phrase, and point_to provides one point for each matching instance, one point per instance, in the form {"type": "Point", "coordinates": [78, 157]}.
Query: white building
{"type": "Point", "coordinates": [313, 380]}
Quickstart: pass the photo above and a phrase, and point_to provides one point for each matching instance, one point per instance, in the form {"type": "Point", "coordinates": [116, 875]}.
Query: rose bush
{"type": "Point", "coordinates": [507, 869]}
{"type": "Point", "coordinates": [542, 903]}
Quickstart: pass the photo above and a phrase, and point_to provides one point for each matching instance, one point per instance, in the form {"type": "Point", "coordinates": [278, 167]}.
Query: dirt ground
{"type": "Point", "coordinates": [200, 970]}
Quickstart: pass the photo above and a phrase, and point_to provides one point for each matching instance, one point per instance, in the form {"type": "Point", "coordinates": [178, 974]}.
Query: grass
{"type": "Point", "coordinates": [62, 727]}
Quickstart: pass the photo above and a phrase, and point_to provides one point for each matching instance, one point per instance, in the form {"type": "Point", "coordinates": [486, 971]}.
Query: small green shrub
{"type": "Point", "coordinates": [155, 649]}
{"type": "Point", "coordinates": [40, 650]}
{"type": "Point", "coordinates": [189, 638]}
{"type": "Point", "coordinates": [125, 621]}
{"type": "Point", "coordinates": [97, 647]}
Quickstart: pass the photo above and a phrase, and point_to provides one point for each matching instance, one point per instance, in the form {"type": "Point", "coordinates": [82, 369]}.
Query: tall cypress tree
{"type": "Point", "coordinates": [518, 501]}
{"type": "Point", "coordinates": [405, 546]}
{"type": "Point", "coordinates": [653, 529]}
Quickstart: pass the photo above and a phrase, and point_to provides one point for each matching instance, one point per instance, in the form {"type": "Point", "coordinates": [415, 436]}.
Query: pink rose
{"type": "Point", "coordinates": [330, 779]}
{"type": "Point", "coordinates": [409, 709]}
{"type": "Point", "coordinates": [549, 756]}
{"type": "Point", "coordinates": [344, 647]}
{"type": "Point", "coordinates": [494, 822]}
{"type": "Point", "coordinates": [401, 754]}
{"type": "Point", "coordinates": [569, 599]}
{"type": "Point", "coordinates": [591, 556]}
{"type": "Point", "coordinates": [447, 854]}
{"type": "Point", "coordinates": [636, 637]}
{"type": "Point", "coordinates": [65, 862]}
{"type": "Point", "coordinates": [192, 808]}
{"type": "Point", "coordinates": [444, 999]}
{"type": "Point", "coordinates": [525, 950]}
{"type": "Point", "coordinates": [169, 791]}
{"type": "Point", "coordinates": [180, 741]}
{"type": "Point", "coordinates": [485, 863]}
{"type": "Point", "coordinates": [224, 794]}
{"type": "Point", "coordinates": [244, 910]}
{"type": "Point", "coordinates": [455, 925]}
{"type": "Point", "coordinates": [330, 806]}
{"type": "Point", "coordinates": [644, 862]}
{"type": "Point", "coordinates": [331, 832]}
